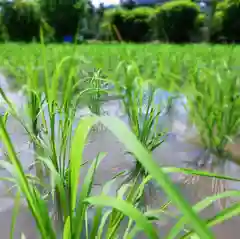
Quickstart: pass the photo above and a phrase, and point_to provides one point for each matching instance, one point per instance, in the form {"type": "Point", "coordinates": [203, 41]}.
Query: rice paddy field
{"type": "Point", "coordinates": [157, 62]}
{"type": "Point", "coordinates": [119, 141]}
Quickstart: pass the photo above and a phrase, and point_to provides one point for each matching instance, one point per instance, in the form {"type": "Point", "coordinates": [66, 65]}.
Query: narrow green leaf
{"type": "Point", "coordinates": [199, 207]}
{"type": "Point", "coordinates": [127, 209]}
{"type": "Point", "coordinates": [132, 145]}
{"type": "Point", "coordinates": [189, 171]}
{"type": "Point", "coordinates": [15, 213]}
{"type": "Point", "coordinates": [85, 192]}
{"type": "Point", "coordinates": [77, 148]}
{"type": "Point", "coordinates": [66, 231]}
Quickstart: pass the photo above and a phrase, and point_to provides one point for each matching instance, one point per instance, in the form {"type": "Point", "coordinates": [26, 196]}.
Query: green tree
{"type": "Point", "coordinates": [131, 25]}
{"type": "Point", "coordinates": [231, 20]}
{"type": "Point", "coordinates": [177, 20]}
{"type": "Point", "coordinates": [22, 20]}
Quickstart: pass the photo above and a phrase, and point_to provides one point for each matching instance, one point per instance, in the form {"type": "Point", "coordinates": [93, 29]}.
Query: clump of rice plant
{"type": "Point", "coordinates": [213, 103]}
{"type": "Point", "coordinates": [97, 92]}
{"type": "Point", "coordinates": [109, 211]}
{"type": "Point", "coordinates": [143, 115]}
{"type": "Point", "coordinates": [95, 97]}
{"type": "Point", "coordinates": [51, 114]}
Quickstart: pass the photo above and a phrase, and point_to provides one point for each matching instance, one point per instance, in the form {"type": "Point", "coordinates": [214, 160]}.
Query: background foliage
{"type": "Point", "coordinates": [21, 20]}
{"type": "Point", "coordinates": [176, 20]}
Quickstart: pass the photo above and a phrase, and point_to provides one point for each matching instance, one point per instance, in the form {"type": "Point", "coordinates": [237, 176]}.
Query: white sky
{"type": "Point", "coordinates": [106, 2]}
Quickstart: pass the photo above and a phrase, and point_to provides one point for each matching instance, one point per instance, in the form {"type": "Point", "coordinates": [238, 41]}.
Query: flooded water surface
{"type": "Point", "coordinates": [173, 152]}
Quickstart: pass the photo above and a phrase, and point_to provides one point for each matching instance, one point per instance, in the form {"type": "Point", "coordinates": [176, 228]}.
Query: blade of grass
{"type": "Point", "coordinates": [128, 210]}
{"type": "Point", "coordinates": [77, 147]}
{"type": "Point", "coordinates": [15, 213]}
{"type": "Point", "coordinates": [23, 182]}
{"type": "Point", "coordinates": [85, 192]}
{"type": "Point", "coordinates": [66, 231]}
{"type": "Point", "coordinates": [199, 207]}
{"type": "Point", "coordinates": [131, 143]}
{"type": "Point", "coordinates": [198, 172]}
{"type": "Point", "coordinates": [224, 215]}
{"type": "Point", "coordinates": [103, 222]}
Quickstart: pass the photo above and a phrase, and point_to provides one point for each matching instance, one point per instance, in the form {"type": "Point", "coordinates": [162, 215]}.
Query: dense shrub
{"type": "Point", "coordinates": [63, 18]}
{"type": "Point", "coordinates": [197, 32]}
{"type": "Point", "coordinates": [3, 31]}
{"type": "Point", "coordinates": [229, 11]}
{"type": "Point", "coordinates": [22, 21]}
{"type": "Point", "coordinates": [130, 25]}
{"type": "Point", "coordinates": [217, 34]}
{"type": "Point", "coordinates": [176, 21]}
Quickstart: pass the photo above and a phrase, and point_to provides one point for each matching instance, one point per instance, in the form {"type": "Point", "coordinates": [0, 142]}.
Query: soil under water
{"type": "Point", "coordinates": [173, 152]}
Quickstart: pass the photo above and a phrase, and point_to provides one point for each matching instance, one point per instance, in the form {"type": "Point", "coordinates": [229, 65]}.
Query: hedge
{"type": "Point", "coordinates": [21, 22]}
{"type": "Point", "coordinates": [64, 19]}
{"type": "Point", "coordinates": [230, 13]}
{"type": "Point", "coordinates": [130, 25]}
{"type": "Point", "coordinates": [176, 21]}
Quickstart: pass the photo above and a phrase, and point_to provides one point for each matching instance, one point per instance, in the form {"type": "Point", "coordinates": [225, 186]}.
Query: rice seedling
{"type": "Point", "coordinates": [144, 114]}
{"type": "Point", "coordinates": [95, 105]}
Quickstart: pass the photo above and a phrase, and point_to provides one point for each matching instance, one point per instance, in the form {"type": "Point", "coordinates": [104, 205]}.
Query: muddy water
{"type": "Point", "coordinates": [173, 152]}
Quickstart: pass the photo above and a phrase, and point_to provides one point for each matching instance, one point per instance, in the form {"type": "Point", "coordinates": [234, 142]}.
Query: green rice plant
{"type": "Point", "coordinates": [143, 116]}
{"type": "Point", "coordinates": [60, 146]}
{"type": "Point", "coordinates": [73, 215]}
{"type": "Point", "coordinates": [74, 219]}
{"type": "Point", "coordinates": [51, 134]}
{"type": "Point", "coordinates": [214, 106]}
{"type": "Point", "coordinates": [96, 83]}
{"type": "Point", "coordinates": [52, 114]}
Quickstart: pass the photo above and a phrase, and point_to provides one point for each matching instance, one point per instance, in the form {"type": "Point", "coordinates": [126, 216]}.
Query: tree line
{"type": "Point", "coordinates": [177, 21]}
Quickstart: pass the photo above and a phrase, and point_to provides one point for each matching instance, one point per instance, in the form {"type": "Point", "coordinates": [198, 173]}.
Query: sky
{"type": "Point", "coordinates": [106, 2]}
